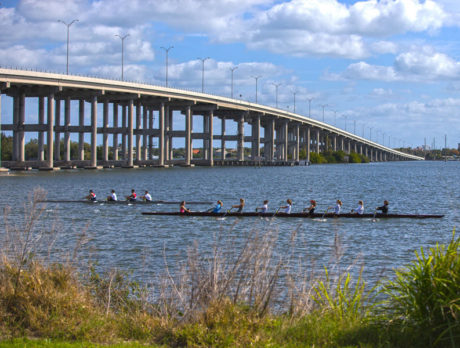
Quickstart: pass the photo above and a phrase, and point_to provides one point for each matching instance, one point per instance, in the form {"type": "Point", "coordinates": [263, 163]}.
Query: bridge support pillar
{"type": "Point", "coordinates": [317, 140]}
{"type": "Point", "coordinates": [210, 140]}
{"type": "Point", "coordinates": [285, 137]}
{"type": "Point", "coordinates": [255, 145]}
{"type": "Point", "coordinates": [21, 121]}
{"type": "Point", "coordinates": [105, 136]}
{"type": "Point", "coordinates": [57, 134]}
{"type": "Point", "coordinates": [138, 129]}
{"type": "Point", "coordinates": [167, 138]}
{"type": "Point", "coordinates": [115, 134]}
{"type": "Point", "coordinates": [124, 130]}
{"type": "Point", "coordinates": [170, 143]}
{"type": "Point", "coordinates": [334, 142]}
{"type": "Point", "coordinates": [145, 127]}
{"type": "Point", "coordinates": [81, 133]}
{"type": "Point", "coordinates": [222, 140]}
{"type": "Point", "coordinates": [161, 137]}
{"type": "Point", "coordinates": [94, 132]}
{"type": "Point", "coordinates": [41, 134]}
{"type": "Point", "coordinates": [297, 142]}
{"type": "Point", "coordinates": [129, 157]}
{"type": "Point", "coordinates": [240, 137]}
{"type": "Point", "coordinates": [15, 155]}
{"type": "Point", "coordinates": [307, 141]}
{"type": "Point", "coordinates": [188, 136]}
{"type": "Point", "coordinates": [269, 146]}
{"type": "Point", "coordinates": [67, 133]}
{"type": "Point", "coordinates": [50, 121]}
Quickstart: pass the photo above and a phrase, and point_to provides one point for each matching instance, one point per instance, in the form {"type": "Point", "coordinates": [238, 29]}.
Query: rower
{"type": "Point", "coordinates": [311, 208]}
{"type": "Point", "coordinates": [239, 206]}
{"type": "Point", "coordinates": [183, 209]}
{"type": "Point", "coordinates": [217, 208]}
{"type": "Point", "coordinates": [91, 196]}
{"type": "Point", "coordinates": [337, 207]}
{"type": "Point", "coordinates": [263, 208]}
{"type": "Point", "coordinates": [384, 207]}
{"type": "Point", "coordinates": [147, 197]}
{"type": "Point", "coordinates": [287, 208]}
{"type": "Point", "coordinates": [360, 209]}
{"type": "Point", "coordinates": [112, 197]}
{"type": "Point", "coordinates": [132, 197]}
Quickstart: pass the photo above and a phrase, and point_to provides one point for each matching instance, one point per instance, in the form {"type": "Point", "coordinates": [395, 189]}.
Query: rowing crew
{"type": "Point", "coordinates": [113, 196]}
{"type": "Point", "coordinates": [288, 207]}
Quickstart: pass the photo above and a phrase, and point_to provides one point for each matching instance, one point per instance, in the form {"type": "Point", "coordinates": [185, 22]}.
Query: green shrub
{"type": "Point", "coordinates": [316, 158]}
{"type": "Point", "coordinates": [426, 294]}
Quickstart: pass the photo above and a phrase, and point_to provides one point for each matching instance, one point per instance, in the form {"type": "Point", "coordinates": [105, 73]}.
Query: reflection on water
{"type": "Point", "coordinates": [121, 237]}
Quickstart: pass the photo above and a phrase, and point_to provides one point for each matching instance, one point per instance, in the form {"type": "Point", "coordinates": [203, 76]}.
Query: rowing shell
{"type": "Point", "coordinates": [123, 202]}
{"type": "Point", "coordinates": [297, 215]}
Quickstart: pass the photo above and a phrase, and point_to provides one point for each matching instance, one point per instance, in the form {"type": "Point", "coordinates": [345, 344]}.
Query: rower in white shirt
{"type": "Point", "coordinates": [147, 197]}
{"type": "Point", "coordinates": [113, 196]}
{"type": "Point", "coordinates": [287, 208]}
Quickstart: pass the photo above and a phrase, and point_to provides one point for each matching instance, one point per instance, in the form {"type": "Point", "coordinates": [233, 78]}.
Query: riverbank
{"type": "Point", "coordinates": [224, 297]}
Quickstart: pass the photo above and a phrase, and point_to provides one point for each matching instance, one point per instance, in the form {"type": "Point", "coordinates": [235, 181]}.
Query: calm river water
{"type": "Point", "coordinates": [121, 237]}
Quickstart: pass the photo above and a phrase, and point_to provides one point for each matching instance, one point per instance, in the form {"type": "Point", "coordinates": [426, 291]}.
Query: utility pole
{"type": "Point", "coordinates": [309, 107]}
{"type": "Point", "coordinates": [276, 93]}
{"type": "Point", "coordinates": [202, 72]}
{"type": "Point", "coordinates": [323, 106]}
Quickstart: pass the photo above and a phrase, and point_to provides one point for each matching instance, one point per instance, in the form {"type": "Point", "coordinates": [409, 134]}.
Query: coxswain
{"type": "Point", "coordinates": [360, 209]}
{"type": "Point", "coordinates": [112, 197]}
{"type": "Point", "coordinates": [384, 207]}
{"type": "Point", "coordinates": [91, 196]}
{"type": "Point", "coordinates": [287, 208]}
{"type": "Point", "coordinates": [311, 208]}
{"type": "Point", "coordinates": [337, 207]}
{"type": "Point", "coordinates": [183, 209]}
{"type": "Point", "coordinates": [240, 206]}
{"type": "Point", "coordinates": [263, 208]}
{"type": "Point", "coordinates": [132, 197]}
{"type": "Point", "coordinates": [147, 197]}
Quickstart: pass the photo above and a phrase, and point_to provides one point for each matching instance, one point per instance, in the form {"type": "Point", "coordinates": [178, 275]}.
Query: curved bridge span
{"type": "Point", "coordinates": [128, 132]}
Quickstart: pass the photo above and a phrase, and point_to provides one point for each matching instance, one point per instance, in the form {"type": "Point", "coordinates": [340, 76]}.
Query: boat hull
{"type": "Point", "coordinates": [297, 215]}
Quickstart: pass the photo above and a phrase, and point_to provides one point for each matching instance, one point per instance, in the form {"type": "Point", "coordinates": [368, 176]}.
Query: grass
{"type": "Point", "coordinates": [230, 296]}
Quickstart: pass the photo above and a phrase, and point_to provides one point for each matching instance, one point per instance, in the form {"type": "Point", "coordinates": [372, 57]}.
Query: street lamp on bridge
{"type": "Point", "coordinates": [122, 53]}
{"type": "Point", "coordinates": [276, 92]}
{"type": "Point", "coordinates": [309, 106]}
{"type": "Point", "coordinates": [68, 39]}
{"type": "Point", "coordinates": [323, 106]}
{"type": "Point", "coordinates": [256, 78]}
{"type": "Point", "coordinates": [202, 72]}
{"type": "Point", "coordinates": [166, 73]}
{"type": "Point", "coordinates": [232, 70]}
{"type": "Point", "coordinates": [294, 92]}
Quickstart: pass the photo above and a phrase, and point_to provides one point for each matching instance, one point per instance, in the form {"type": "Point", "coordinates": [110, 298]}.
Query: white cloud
{"type": "Point", "coordinates": [423, 65]}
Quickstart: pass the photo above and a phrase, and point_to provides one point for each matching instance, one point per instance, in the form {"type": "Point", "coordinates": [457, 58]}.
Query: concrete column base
{"type": "Point", "coordinates": [93, 167]}
{"type": "Point", "coordinates": [48, 169]}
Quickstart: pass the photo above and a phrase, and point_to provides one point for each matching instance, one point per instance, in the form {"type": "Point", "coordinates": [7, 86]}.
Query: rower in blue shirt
{"type": "Point", "coordinates": [218, 207]}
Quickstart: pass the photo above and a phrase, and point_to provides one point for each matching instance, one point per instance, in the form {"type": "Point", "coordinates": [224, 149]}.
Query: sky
{"type": "Point", "coordinates": [385, 69]}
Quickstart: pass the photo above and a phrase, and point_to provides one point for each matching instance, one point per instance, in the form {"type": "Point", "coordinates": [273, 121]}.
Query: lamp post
{"type": "Point", "coordinates": [370, 133]}
{"type": "Point", "coordinates": [122, 53]}
{"type": "Point", "coordinates": [202, 72]}
{"type": "Point", "coordinates": [166, 67]}
{"type": "Point", "coordinates": [232, 70]}
{"type": "Point", "coordinates": [276, 92]}
{"type": "Point", "coordinates": [323, 106]}
{"type": "Point", "coordinates": [345, 116]}
{"type": "Point", "coordinates": [354, 126]}
{"type": "Point", "coordinates": [68, 39]}
{"type": "Point", "coordinates": [256, 78]}
{"type": "Point", "coordinates": [294, 92]}
{"type": "Point", "coordinates": [309, 107]}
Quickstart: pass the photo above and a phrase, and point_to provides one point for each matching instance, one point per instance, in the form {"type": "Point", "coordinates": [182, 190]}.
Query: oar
{"type": "Point", "coordinates": [373, 217]}
{"type": "Point", "coordinates": [276, 212]}
{"type": "Point", "coordinates": [322, 217]}
{"type": "Point", "coordinates": [228, 211]}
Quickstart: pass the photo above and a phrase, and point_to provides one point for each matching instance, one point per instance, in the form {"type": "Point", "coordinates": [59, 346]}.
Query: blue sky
{"type": "Point", "coordinates": [393, 66]}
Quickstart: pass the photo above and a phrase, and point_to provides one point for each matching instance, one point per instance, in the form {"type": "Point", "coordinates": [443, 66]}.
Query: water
{"type": "Point", "coordinates": [121, 237]}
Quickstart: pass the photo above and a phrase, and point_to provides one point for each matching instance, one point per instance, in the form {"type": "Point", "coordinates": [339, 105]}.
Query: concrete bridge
{"type": "Point", "coordinates": [127, 127]}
